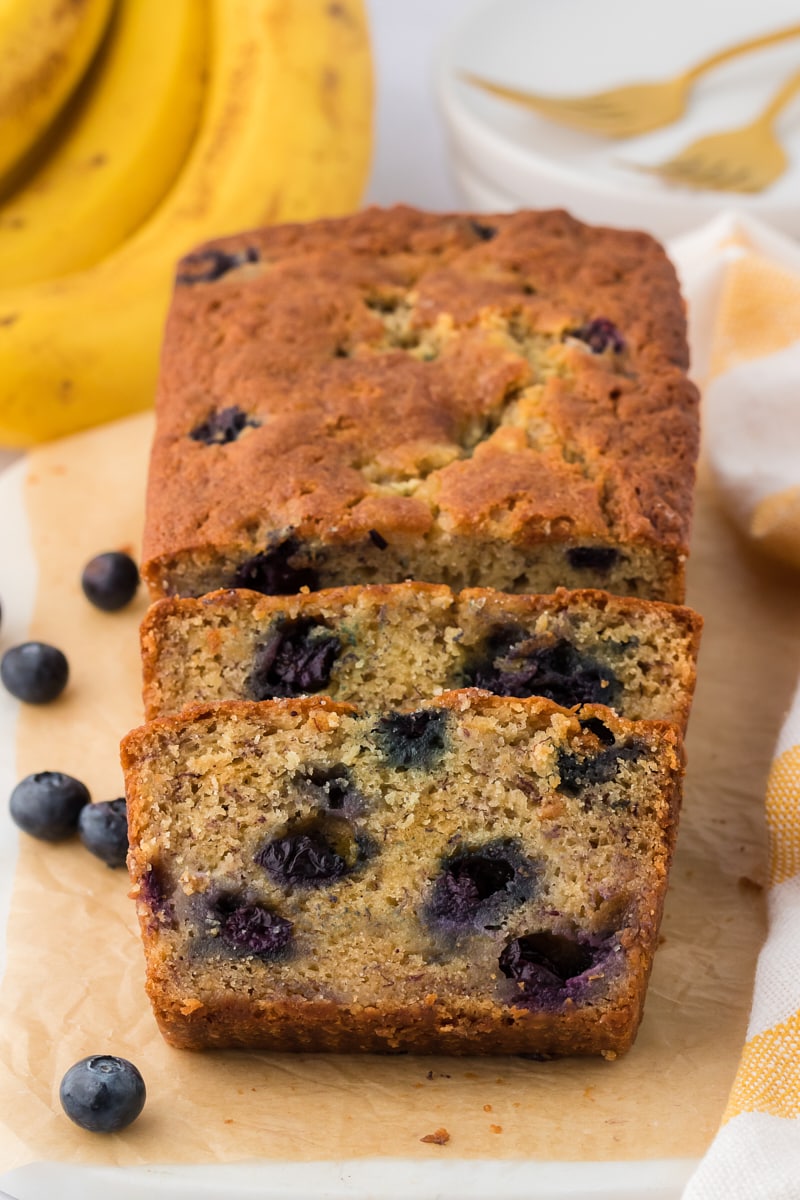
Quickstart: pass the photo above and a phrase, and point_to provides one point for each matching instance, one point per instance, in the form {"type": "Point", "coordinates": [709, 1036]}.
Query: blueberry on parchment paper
{"type": "Point", "coordinates": [110, 580]}
{"type": "Point", "coordinates": [103, 1093]}
{"type": "Point", "coordinates": [48, 804]}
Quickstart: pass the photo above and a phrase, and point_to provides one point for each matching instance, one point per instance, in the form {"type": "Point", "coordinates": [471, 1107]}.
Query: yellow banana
{"type": "Point", "coordinates": [285, 136]}
{"type": "Point", "coordinates": [122, 148]}
{"type": "Point", "coordinates": [45, 49]}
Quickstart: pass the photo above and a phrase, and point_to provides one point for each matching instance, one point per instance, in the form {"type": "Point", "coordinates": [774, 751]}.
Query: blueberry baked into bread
{"type": "Point", "coordinates": [392, 645]}
{"type": "Point", "coordinates": [479, 875]}
{"type": "Point", "coordinates": [495, 401]}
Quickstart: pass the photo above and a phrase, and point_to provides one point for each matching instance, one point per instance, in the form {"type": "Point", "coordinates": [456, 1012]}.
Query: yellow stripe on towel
{"type": "Point", "coordinates": [759, 312]}
{"type": "Point", "coordinates": [783, 816]}
{"type": "Point", "coordinates": [768, 1079]}
{"type": "Point", "coordinates": [775, 525]}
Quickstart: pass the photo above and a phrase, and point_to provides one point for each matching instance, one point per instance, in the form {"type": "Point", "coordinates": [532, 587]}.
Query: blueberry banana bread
{"type": "Point", "coordinates": [495, 401]}
{"type": "Point", "coordinates": [391, 645]}
{"type": "Point", "coordinates": [480, 875]}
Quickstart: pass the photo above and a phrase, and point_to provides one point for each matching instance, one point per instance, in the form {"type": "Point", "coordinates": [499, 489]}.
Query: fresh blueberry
{"type": "Point", "coordinates": [297, 658]}
{"type": "Point", "coordinates": [460, 890]}
{"type": "Point", "coordinates": [599, 335]}
{"type": "Point", "coordinates": [102, 1093]}
{"type": "Point", "coordinates": [303, 859]}
{"type": "Point", "coordinates": [484, 232]}
{"type": "Point", "coordinates": [600, 730]}
{"type": "Point", "coordinates": [465, 883]}
{"type": "Point", "coordinates": [252, 928]}
{"type": "Point", "coordinates": [155, 890]}
{"type": "Point", "coordinates": [34, 672]}
{"type": "Point", "coordinates": [579, 773]}
{"type": "Point", "coordinates": [103, 829]}
{"type": "Point", "coordinates": [544, 963]}
{"type": "Point", "coordinates": [47, 805]}
{"type": "Point", "coordinates": [223, 427]}
{"type": "Point", "coordinates": [516, 665]}
{"type": "Point", "coordinates": [273, 574]}
{"type": "Point", "coordinates": [332, 788]}
{"type": "Point", "coordinates": [110, 580]}
{"type": "Point", "coordinates": [205, 266]}
{"type": "Point", "coordinates": [592, 558]}
{"type": "Point", "coordinates": [415, 739]}
{"type": "Point", "coordinates": [478, 888]}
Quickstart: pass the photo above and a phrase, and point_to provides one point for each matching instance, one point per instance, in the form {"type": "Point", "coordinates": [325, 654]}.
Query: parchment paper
{"type": "Point", "coordinates": [74, 984]}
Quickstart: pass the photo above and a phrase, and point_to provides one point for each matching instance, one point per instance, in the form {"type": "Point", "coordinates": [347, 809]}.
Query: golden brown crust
{"type": "Point", "coordinates": [408, 376]}
{"type": "Point", "coordinates": [564, 598]}
{"type": "Point", "coordinates": [438, 1028]}
{"type": "Point", "coordinates": [274, 715]}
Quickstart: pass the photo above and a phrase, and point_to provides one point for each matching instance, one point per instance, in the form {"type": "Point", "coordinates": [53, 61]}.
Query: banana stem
{"type": "Point", "coordinates": [756, 43]}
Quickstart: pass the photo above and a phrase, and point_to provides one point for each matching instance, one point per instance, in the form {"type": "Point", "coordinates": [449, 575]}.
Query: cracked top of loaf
{"type": "Point", "coordinates": [424, 383]}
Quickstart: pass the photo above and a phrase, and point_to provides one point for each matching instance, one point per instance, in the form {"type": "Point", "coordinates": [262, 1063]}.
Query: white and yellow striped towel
{"type": "Point", "coordinates": [743, 283]}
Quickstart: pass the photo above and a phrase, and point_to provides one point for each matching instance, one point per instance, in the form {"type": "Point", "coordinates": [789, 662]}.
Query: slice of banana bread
{"type": "Point", "coordinates": [481, 875]}
{"type": "Point", "coordinates": [391, 645]}
{"type": "Point", "coordinates": [498, 401]}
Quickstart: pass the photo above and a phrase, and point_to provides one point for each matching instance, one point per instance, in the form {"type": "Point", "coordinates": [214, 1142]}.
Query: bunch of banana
{"type": "Point", "coordinates": [120, 149]}
{"type": "Point", "coordinates": [209, 116]}
{"type": "Point", "coordinates": [45, 48]}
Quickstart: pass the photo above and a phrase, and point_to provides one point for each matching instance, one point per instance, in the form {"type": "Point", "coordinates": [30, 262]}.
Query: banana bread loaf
{"type": "Point", "coordinates": [498, 401]}
{"type": "Point", "coordinates": [481, 875]}
{"type": "Point", "coordinates": [391, 645]}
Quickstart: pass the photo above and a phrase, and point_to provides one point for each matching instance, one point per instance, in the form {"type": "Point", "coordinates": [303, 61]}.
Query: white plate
{"type": "Point", "coordinates": [372, 1179]}
{"type": "Point", "coordinates": [368, 1179]}
{"type": "Point", "coordinates": [505, 156]}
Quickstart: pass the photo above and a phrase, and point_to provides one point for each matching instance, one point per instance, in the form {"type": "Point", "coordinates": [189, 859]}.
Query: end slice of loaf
{"type": "Point", "coordinates": [480, 875]}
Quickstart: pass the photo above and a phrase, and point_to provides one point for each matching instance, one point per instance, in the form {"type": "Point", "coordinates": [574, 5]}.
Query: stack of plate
{"type": "Point", "coordinates": [507, 157]}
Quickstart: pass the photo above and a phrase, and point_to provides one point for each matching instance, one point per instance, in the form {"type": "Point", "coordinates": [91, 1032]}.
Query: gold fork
{"type": "Point", "coordinates": [748, 159]}
{"type": "Point", "coordinates": [631, 110]}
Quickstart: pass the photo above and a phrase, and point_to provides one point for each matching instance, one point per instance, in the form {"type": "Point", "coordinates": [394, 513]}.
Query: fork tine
{"type": "Point", "coordinates": [604, 104]}
{"type": "Point", "coordinates": [722, 181]}
{"type": "Point", "coordinates": [741, 179]}
{"type": "Point", "coordinates": [725, 174]}
{"type": "Point", "coordinates": [678, 168]}
{"type": "Point", "coordinates": [600, 108]}
{"type": "Point", "coordinates": [746, 159]}
{"type": "Point", "coordinates": [637, 107]}
{"type": "Point", "coordinates": [603, 112]}
{"type": "Point", "coordinates": [711, 175]}
{"type": "Point", "coordinates": [718, 174]}
{"type": "Point", "coordinates": [747, 180]}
